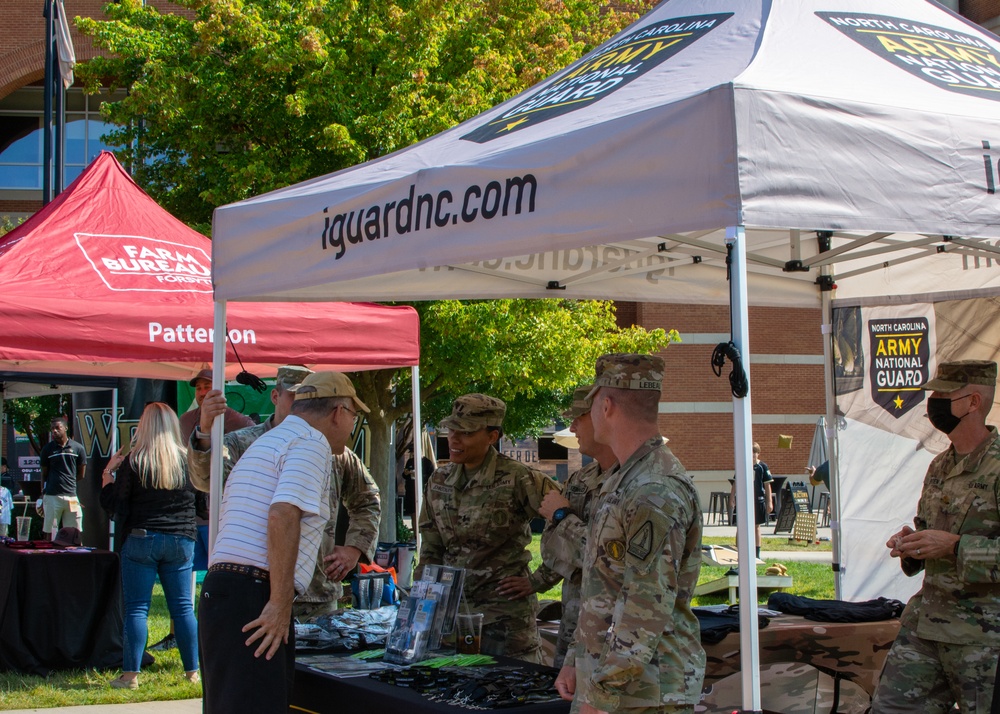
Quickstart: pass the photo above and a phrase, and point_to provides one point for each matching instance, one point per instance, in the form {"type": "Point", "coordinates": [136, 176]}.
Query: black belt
{"type": "Point", "coordinates": [240, 569]}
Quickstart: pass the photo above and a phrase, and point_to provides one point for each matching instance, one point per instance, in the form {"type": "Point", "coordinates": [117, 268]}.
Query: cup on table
{"type": "Point", "coordinates": [24, 528]}
{"type": "Point", "coordinates": [470, 632]}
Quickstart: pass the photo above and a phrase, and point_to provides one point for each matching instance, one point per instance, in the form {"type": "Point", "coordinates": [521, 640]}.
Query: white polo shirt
{"type": "Point", "coordinates": [291, 463]}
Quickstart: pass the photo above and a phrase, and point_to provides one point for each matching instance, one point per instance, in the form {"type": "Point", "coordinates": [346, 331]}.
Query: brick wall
{"type": "Point", "coordinates": [980, 10]}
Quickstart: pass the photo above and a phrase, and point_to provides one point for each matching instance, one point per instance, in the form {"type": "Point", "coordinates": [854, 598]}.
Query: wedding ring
{"type": "Point", "coordinates": [918, 551]}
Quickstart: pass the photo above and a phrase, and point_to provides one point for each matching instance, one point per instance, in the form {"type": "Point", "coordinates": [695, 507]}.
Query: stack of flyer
{"type": "Point", "coordinates": [425, 623]}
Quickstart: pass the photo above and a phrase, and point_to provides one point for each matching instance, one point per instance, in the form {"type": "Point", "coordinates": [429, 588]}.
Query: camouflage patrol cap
{"type": "Point", "coordinates": [627, 370]}
{"type": "Point", "coordinates": [291, 374]}
{"type": "Point", "coordinates": [472, 412]}
{"type": "Point", "coordinates": [580, 405]}
{"type": "Point", "coordinates": [955, 375]}
{"type": "Point", "coordinates": [322, 385]}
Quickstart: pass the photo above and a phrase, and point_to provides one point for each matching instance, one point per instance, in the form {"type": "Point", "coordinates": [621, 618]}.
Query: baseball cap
{"type": "Point", "coordinates": [627, 370]}
{"type": "Point", "coordinates": [322, 385]}
{"type": "Point", "coordinates": [67, 536]}
{"type": "Point", "coordinates": [955, 375]}
{"type": "Point", "coordinates": [291, 374]}
{"type": "Point", "coordinates": [472, 412]}
{"type": "Point", "coordinates": [581, 403]}
{"type": "Point", "coordinates": [203, 374]}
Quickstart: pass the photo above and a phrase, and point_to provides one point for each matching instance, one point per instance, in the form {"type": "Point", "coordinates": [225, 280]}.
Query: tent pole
{"type": "Point", "coordinates": [418, 452]}
{"type": "Point", "coordinates": [831, 433]}
{"type": "Point", "coordinates": [218, 382]}
{"type": "Point", "coordinates": [742, 442]}
{"type": "Point", "coordinates": [114, 450]}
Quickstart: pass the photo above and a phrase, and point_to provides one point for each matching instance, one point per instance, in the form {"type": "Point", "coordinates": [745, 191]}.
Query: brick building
{"type": "Point", "coordinates": [696, 409]}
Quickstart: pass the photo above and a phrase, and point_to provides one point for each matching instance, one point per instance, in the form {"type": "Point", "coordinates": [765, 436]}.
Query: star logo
{"type": "Point", "coordinates": [514, 124]}
{"type": "Point", "coordinates": [898, 401]}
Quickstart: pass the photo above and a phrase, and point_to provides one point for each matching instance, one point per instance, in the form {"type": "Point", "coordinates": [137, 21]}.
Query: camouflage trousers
{"type": "Point", "coordinates": [930, 677]}
{"type": "Point", "coordinates": [303, 611]}
{"type": "Point", "coordinates": [665, 709]}
{"type": "Point", "coordinates": [511, 637]}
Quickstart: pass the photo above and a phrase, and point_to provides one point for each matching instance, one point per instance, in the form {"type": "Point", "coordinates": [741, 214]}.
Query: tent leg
{"type": "Point", "coordinates": [742, 442]}
{"type": "Point", "coordinates": [218, 382]}
{"type": "Point", "coordinates": [418, 452]}
{"type": "Point", "coordinates": [831, 438]}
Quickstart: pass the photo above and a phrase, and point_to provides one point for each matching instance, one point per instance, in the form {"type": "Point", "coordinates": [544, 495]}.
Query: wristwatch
{"type": "Point", "coordinates": [559, 514]}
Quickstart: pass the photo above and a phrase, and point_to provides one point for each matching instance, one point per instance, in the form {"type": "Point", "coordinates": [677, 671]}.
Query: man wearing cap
{"type": "Point", "coordinates": [202, 383]}
{"type": "Point", "coordinates": [949, 637]}
{"type": "Point", "coordinates": [350, 484]}
{"type": "Point", "coordinates": [274, 511]}
{"type": "Point", "coordinates": [637, 644]}
{"type": "Point", "coordinates": [568, 517]}
{"type": "Point", "coordinates": [477, 515]}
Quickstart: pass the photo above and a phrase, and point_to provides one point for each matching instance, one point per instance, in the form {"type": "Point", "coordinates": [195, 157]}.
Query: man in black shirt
{"type": "Point", "coordinates": [63, 463]}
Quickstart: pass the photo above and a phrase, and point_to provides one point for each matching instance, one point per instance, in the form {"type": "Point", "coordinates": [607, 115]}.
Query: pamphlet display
{"type": "Point", "coordinates": [425, 624]}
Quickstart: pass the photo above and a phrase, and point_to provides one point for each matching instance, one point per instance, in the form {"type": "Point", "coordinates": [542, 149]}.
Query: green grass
{"type": "Point", "coordinates": [162, 681]}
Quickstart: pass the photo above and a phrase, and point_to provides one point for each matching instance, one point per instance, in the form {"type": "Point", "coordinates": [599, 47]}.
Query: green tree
{"type": "Point", "coordinates": [32, 416]}
{"type": "Point", "coordinates": [239, 97]}
{"type": "Point", "coordinates": [530, 353]}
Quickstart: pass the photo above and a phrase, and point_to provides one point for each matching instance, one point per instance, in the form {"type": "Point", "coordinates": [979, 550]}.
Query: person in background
{"type": "Point", "coordinates": [7, 478]}
{"type": "Point", "coordinates": [477, 516]}
{"type": "Point", "coordinates": [565, 537]}
{"type": "Point", "coordinates": [763, 499]}
{"type": "Point", "coordinates": [949, 634]}
{"type": "Point", "coordinates": [202, 383]}
{"type": "Point", "coordinates": [150, 494]}
{"type": "Point", "coordinates": [63, 462]}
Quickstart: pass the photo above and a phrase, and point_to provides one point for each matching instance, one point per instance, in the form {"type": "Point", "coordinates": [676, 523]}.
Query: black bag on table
{"type": "Point", "coordinates": [835, 610]}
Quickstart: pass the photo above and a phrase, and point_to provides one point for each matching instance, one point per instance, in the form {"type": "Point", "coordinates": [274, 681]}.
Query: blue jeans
{"type": "Point", "coordinates": [170, 557]}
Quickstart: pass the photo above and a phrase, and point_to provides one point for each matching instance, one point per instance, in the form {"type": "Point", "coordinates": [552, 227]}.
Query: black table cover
{"type": "Point", "coordinates": [59, 610]}
{"type": "Point", "coordinates": [325, 694]}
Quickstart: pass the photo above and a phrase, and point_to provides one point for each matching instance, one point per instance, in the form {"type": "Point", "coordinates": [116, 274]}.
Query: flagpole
{"type": "Point", "coordinates": [47, 119]}
{"type": "Point", "coordinates": [59, 162]}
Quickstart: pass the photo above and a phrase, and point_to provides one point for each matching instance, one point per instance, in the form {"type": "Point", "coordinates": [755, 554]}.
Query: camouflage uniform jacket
{"type": "Point", "coordinates": [959, 602]}
{"type": "Point", "coordinates": [483, 526]}
{"type": "Point", "coordinates": [563, 548]}
{"type": "Point", "coordinates": [638, 643]}
{"type": "Point", "coordinates": [350, 483]}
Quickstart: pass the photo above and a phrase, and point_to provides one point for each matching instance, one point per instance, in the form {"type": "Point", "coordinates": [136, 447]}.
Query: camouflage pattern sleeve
{"type": "Point", "coordinates": [979, 559]}
{"type": "Point", "coordinates": [562, 545]}
{"type": "Point", "coordinates": [432, 546]}
{"type": "Point", "coordinates": [533, 486]}
{"type": "Point", "coordinates": [543, 578]}
{"type": "Point", "coordinates": [360, 497]}
{"type": "Point", "coordinates": [234, 444]}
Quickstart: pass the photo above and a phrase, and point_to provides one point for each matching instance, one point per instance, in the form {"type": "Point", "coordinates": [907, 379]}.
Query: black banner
{"type": "Point", "coordinates": [899, 357]}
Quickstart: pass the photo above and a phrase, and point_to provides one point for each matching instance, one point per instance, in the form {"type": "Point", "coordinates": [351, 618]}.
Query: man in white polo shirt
{"type": "Point", "coordinates": [274, 509]}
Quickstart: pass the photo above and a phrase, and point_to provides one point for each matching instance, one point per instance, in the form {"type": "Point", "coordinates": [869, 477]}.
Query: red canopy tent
{"type": "Point", "coordinates": [102, 281]}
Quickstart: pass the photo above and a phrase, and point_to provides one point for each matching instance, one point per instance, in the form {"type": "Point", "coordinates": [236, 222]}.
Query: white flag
{"type": "Point", "coordinates": [64, 45]}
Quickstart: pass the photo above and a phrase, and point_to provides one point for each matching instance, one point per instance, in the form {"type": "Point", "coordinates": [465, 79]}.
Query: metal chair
{"type": "Point", "coordinates": [718, 507]}
{"type": "Point", "coordinates": [823, 509]}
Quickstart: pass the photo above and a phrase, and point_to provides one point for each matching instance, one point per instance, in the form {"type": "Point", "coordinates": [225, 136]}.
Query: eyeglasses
{"type": "Point", "coordinates": [352, 412]}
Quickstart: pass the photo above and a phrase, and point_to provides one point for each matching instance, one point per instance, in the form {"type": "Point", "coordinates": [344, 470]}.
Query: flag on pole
{"type": "Point", "coordinates": [64, 45]}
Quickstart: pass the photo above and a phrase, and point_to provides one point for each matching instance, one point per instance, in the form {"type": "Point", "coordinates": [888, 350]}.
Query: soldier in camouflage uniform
{"type": "Point", "coordinates": [568, 515]}
{"type": "Point", "coordinates": [637, 645]}
{"type": "Point", "coordinates": [350, 484]}
{"type": "Point", "coordinates": [476, 516]}
{"type": "Point", "coordinates": [949, 637]}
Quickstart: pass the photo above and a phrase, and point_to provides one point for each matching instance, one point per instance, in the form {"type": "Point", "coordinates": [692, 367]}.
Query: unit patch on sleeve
{"type": "Point", "coordinates": [641, 544]}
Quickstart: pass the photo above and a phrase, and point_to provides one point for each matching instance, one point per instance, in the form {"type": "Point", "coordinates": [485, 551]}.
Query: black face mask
{"type": "Point", "coordinates": [940, 416]}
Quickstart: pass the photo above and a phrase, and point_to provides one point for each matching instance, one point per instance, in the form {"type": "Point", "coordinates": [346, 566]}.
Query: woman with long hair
{"type": "Point", "coordinates": [154, 504]}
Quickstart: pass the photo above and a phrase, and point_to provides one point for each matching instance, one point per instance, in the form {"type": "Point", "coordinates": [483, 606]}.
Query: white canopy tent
{"type": "Point", "coordinates": [813, 144]}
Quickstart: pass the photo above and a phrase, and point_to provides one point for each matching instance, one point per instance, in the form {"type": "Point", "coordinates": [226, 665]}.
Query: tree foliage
{"type": "Point", "coordinates": [32, 416]}
{"type": "Point", "coordinates": [240, 97]}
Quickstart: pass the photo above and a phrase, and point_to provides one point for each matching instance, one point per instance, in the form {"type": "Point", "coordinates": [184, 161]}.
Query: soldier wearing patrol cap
{"type": "Point", "coordinates": [637, 644]}
{"type": "Point", "coordinates": [568, 515]}
{"type": "Point", "coordinates": [476, 516]}
{"type": "Point", "coordinates": [350, 484]}
{"type": "Point", "coordinates": [949, 637]}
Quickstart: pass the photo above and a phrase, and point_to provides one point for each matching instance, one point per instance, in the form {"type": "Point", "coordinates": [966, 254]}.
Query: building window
{"type": "Point", "coordinates": [21, 136]}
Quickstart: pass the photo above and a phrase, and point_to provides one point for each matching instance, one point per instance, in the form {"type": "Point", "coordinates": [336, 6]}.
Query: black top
{"type": "Point", "coordinates": [62, 463]}
{"type": "Point", "coordinates": [170, 511]}
{"type": "Point", "coordinates": [761, 475]}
